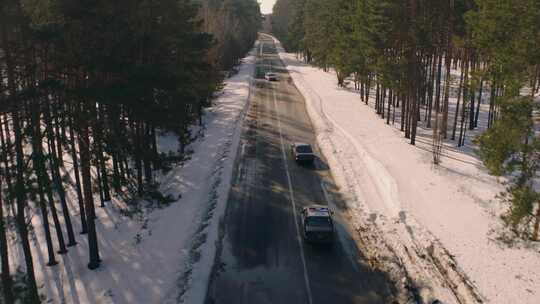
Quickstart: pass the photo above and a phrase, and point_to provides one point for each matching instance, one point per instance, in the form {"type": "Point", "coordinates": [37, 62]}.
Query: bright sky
{"type": "Point", "coordinates": [266, 6]}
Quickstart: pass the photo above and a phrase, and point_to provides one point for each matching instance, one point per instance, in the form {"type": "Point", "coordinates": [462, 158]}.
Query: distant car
{"type": "Point", "coordinates": [271, 76]}
{"type": "Point", "coordinates": [317, 224]}
{"type": "Point", "coordinates": [302, 153]}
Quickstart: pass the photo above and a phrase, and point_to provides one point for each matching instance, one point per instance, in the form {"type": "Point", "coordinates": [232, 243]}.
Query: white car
{"type": "Point", "coordinates": [271, 76]}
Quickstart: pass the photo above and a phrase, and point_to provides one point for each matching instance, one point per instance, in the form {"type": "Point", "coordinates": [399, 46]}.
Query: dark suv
{"type": "Point", "coordinates": [302, 153]}
{"type": "Point", "coordinates": [317, 224]}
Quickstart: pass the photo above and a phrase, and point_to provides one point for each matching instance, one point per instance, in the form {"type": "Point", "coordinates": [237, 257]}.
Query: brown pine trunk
{"type": "Point", "coordinates": [39, 168]}
{"type": "Point", "coordinates": [84, 147]}
{"type": "Point", "coordinates": [430, 91]}
{"type": "Point", "coordinates": [54, 212]}
{"type": "Point", "coordinates": [78, 187]}
{"type": "Point", "coordinates": [394, 103]}
{"type": "Point", "coordinates": [20, 188]}
{"type": "Point", "coordinates": [116, 173]}
{"type": "Point", "coordinates": [21, 224]}
{"type": "Point", "coordinates": [104, 185]}
{"type": "Point", "coordinates": [492, 97]}
{"type": "Point", "coordinates": [460, 89]}
{"type": "Point", "coordinates": [147, 155]}
{"type": "Point", "coordinates": [472, 100]}
{"type": "Point", "coordinates": [100, 188]}
{"type": "Point", "coordinates": [154, 147]}
{"type": "Point", "coordinates": [55, 172]}
{"type": "Point", "coordinates": [366, 89]}
{"type": "Point", "coordinates": [7, 283]}
{"type": "Point", "coordinates": [58, 135]}
{"type": "Point", "coordinates": [403, 112]}
{"type": "Point", "coordinates": [477, 114]}
{"type": "Point", "coordinates": [4, 153]}
{"type": "Point", "coordinates": [138, 161]}
{"type": "Point", "coordinates": [408, 111]}
{"type": "Point", "coordinates": [437, 88]}
{"type": "Point", "coordinates": [466, 93]}
{"type": "Point", "coordinates": [361, 89]}
{"type": "Point", "coordinates": [448, 62]}
{"type": "Point", "coordinates": [382, 101]}
{"type": "Point", "coordinates": [390, 99]}
{"type": "Point", "coordinates": [536, 224]}
{"type": "Point", "coordinates": [444, 125]}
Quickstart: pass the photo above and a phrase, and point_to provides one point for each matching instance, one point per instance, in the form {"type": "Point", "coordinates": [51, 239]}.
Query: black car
{"type": "Point", "coordinates": [302, 153]}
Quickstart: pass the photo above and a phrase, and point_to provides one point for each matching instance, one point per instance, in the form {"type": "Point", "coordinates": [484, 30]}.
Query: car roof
{"type": "Point", "coordinates": [270, 73]}
{"type": "Point", "coordinates": [318, 210]}
{"type": "Point", "coordinates": [298, 144]}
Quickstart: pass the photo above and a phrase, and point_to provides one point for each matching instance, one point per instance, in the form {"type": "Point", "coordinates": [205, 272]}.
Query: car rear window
{"type": "Point", "coordinates": [304, 149]}
{"type": "Point", "coordinates": [319, 221]}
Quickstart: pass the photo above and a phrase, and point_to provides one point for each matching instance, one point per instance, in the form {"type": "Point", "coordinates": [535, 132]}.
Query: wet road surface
{"type": "Point", "coordinates": [262, 258]}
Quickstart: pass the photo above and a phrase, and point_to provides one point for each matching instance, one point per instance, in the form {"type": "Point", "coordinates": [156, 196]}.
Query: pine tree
{"type": "Point", "coordinates": [6, 281]}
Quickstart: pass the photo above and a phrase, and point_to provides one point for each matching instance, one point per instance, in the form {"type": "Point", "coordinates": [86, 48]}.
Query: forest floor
{"type": "Point", "coordinates": [154, 254]}
{"type": "Point", "coordinates": [439, 223]}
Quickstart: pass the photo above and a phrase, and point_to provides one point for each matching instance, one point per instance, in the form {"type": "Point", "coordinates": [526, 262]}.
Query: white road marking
{"type": "Point", "coordinates": [291, 195]}
{"type": "Point", "coordinates": [326, 195]}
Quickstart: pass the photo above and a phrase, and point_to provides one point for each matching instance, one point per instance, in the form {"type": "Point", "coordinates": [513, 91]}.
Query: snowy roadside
{"type": "Point", "coordinates": [232, 105]}
{"type": "Point", "coordinates": [440, 223]}
{"type": "Point", "coordinates": [163, 256]}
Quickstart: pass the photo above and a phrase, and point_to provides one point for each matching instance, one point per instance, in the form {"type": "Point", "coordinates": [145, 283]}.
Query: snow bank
{"type": "Point", "coordinates": [163, 256]}
{"type": "Point", "coordinates": [442, 221]}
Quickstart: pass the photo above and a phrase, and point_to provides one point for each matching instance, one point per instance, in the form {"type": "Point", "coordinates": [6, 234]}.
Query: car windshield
{"type": "Point", "coordinates": [319, 221]}
{"type": "Point", "coordinates": [304, 149]}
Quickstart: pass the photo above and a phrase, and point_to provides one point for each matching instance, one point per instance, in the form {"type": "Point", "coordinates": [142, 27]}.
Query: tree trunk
{"type": "Point", "coordinates": [492, 98]}
{"type": "Point", "coordinates": [466, 93]}
{"type": "Point", "coordinates": [57, 180]}
{"type": "Point", "coordinates": [78, 187]}
{"type": "Point", "coordinates": [20, 188]}
{"type": "Point", "coordinates": [4, 155]}
{"type": "Point", "coordinates": [22, 228]}
{"type": "Point", "coordinates": [138, 161]}
{"type": "Point", "coordinates": [472, 105]}
{"type": "Point", "coordinates": [477, 114]}
{"type": "Point", "coordinates": [367, 88]}
{"type": "Point", "coordinates": [460, 88]}
{"type": "Point", "coordinates": [7, 283]}
{"type": "Point", "coordinates": [390, 99]}
{"type": "Point", "coordinates": [84, 147]}
{"type": "Point", "coordinates": [430, 91]}
{"type": "Point", "coordinates": [536, 224]}
{"type": "Point", "coordinates": [382, 101]}
{"type": "Point", "coordinates": [147, 155]}
{"type": "Point", "coordinates": [444, 125]}
{"type": "Point", "coordinates": [39, 168]}
{"type": "Point", "coordinates": [377, 97]}
{"type": "Point", "coordinates": [100, 158]}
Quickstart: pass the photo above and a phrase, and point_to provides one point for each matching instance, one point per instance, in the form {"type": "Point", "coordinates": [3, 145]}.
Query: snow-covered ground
{"type": "Point", "coordinates": [442, 222]}
{"type": "Point", "coordinates": [164, 255]}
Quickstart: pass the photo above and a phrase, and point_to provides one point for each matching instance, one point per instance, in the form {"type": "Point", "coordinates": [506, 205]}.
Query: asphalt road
{"type": "Point", "coordinates": [262, 258]}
